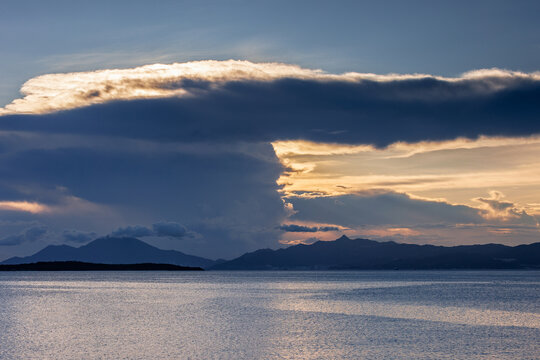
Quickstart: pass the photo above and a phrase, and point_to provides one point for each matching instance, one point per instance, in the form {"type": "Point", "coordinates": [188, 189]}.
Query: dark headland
{"type": "Point", "coordinates": [83, 266]}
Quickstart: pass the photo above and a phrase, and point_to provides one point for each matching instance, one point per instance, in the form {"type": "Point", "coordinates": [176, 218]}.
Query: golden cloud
{"type": "Point", "coordinates": [24, 206]}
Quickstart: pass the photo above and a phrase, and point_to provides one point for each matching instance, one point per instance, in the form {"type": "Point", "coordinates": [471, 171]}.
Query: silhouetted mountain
{"type": "Point", "coordinates": [112, 250]}
{"type": "Point", "coordinates": [345, 253]}
{"type": "Point", "coordinates": [83, 266]}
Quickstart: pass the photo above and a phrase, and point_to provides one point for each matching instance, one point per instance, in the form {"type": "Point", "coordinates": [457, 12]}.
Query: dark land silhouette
{"type": "Point", "coordinates": [345, 253]}
{"type": "Point", "coordinates": [83, 266]}
{"type": "Point", "coordinates": [113, 250]}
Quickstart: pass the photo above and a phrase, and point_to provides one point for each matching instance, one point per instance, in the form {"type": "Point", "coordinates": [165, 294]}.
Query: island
{"type": "Point", "coordinates": [85, 266]}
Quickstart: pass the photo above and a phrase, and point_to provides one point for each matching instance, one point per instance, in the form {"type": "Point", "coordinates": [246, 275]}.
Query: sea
{"type": "Point", "coordinates": [270, 315]}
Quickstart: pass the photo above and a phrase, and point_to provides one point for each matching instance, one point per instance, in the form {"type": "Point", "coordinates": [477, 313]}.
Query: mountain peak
{"type": "Point", "coordinates": [109, 242]}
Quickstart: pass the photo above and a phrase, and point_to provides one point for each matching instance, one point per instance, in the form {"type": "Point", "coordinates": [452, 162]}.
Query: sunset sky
{"type": "Point", "coordinates": [216, 128]}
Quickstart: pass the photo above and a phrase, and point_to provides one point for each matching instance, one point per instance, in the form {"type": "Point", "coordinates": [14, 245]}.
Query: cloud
{"type": "Point", "coordinates": [25, 206]}
{"type": "Point", "coordinates": [226, 193]}
{"type": "Point", "coordinates": [496, 208]}
{"type": "Point", "coordinates": [193, 142]}
{"type": "Point", "coordinates": [133, 231]}
{"type": "Point", "coordinates": [381, 208]}
{"type": "Point", "coordinates": [302, 228]}
{"type": "Point", "coordinates": [170, 229]}
{"type": "Point", "coordinates": [29, 235]}
{"type": "Point", "coordinates": [454, 171]}
{"type": "Point", "coordinates": [298, 228]}
{"type": "Point", "coordinates": [328, 228]}
{"type": "Point", "coordinates": [242, 101]}
{"type": "Point", "coordinates": [400, 217]}
{"type": "Point", "coordinates": [306, 241]}
{"type": "Point", "coordinates": [78, 236]}
{"type": "Point", "coordinates": [54, 92]}
{"type": "Point", "coordinates": [495, 204]}
{"type": "Point", "coordinates": [160, 229]}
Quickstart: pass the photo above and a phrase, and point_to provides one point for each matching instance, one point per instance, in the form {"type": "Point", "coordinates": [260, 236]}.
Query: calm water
{"type": "Point", "coordinates": [267, 315]}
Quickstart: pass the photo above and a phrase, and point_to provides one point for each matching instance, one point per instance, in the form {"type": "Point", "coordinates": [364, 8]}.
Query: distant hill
{"type": "Point", "coordinates": [113, 250]}
{"type": "Point", "coordinates": [83, 266]}
{"type": "Point", "coordinates": [345, 253]}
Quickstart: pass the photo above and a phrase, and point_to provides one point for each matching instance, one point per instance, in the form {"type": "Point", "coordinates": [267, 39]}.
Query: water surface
{"type": "Point", "coordinates": [270, 315]}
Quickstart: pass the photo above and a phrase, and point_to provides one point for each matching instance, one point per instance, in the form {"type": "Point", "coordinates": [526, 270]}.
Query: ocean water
{"type": "Point", "coordinates": [270, 315]}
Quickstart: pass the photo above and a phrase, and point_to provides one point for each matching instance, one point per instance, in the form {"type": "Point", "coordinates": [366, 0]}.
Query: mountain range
{"type": "Point", "coordinates": [343, 253]}
{"type": "Point", "coordinates": [113, 250]}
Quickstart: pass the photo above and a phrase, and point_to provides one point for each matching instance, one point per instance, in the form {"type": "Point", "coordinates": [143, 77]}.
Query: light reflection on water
{"type": "Point", "coordinates": [266, 315]}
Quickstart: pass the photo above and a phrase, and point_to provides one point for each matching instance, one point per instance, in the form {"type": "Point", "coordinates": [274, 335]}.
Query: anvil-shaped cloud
{"type": "Point", "coordinates": [54, 92]}
{"type": "Point", "coordinates": [243, 101]}
{"type": "Point", "coordinates": [196, 144]}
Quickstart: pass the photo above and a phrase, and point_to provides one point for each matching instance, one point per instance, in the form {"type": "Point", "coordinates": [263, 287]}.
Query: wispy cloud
{"type": "Point", "coordinates": [25, 206]}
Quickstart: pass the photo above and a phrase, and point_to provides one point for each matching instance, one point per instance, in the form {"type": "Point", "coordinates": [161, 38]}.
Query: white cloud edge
{"type": "Point", "coordinates": [64, 91]}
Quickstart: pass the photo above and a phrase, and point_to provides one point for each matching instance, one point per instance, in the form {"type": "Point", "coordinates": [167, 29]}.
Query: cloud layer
{"type": "Point", "coordinates": [55, 92]}
{"type": "Point", "coordinates": [93, 153]}
{"type": "Point", "coordinates": [243, 101]}
{"type": "Point", "coordinates": [397, 216]}
{"type": "Point", "coordinates": [459, 171]}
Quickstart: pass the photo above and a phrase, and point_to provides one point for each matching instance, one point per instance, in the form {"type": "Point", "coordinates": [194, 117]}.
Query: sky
{"type": "Point", "coordinates": [217, 128]}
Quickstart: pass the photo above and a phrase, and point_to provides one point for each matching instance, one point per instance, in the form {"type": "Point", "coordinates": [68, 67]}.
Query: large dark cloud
{"type": "Point", "coordinates": [229, 199]}
{"type": "Point", "coordinates": [377, 112]}
{"type": "Point", "coordinates": [121, 160]}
